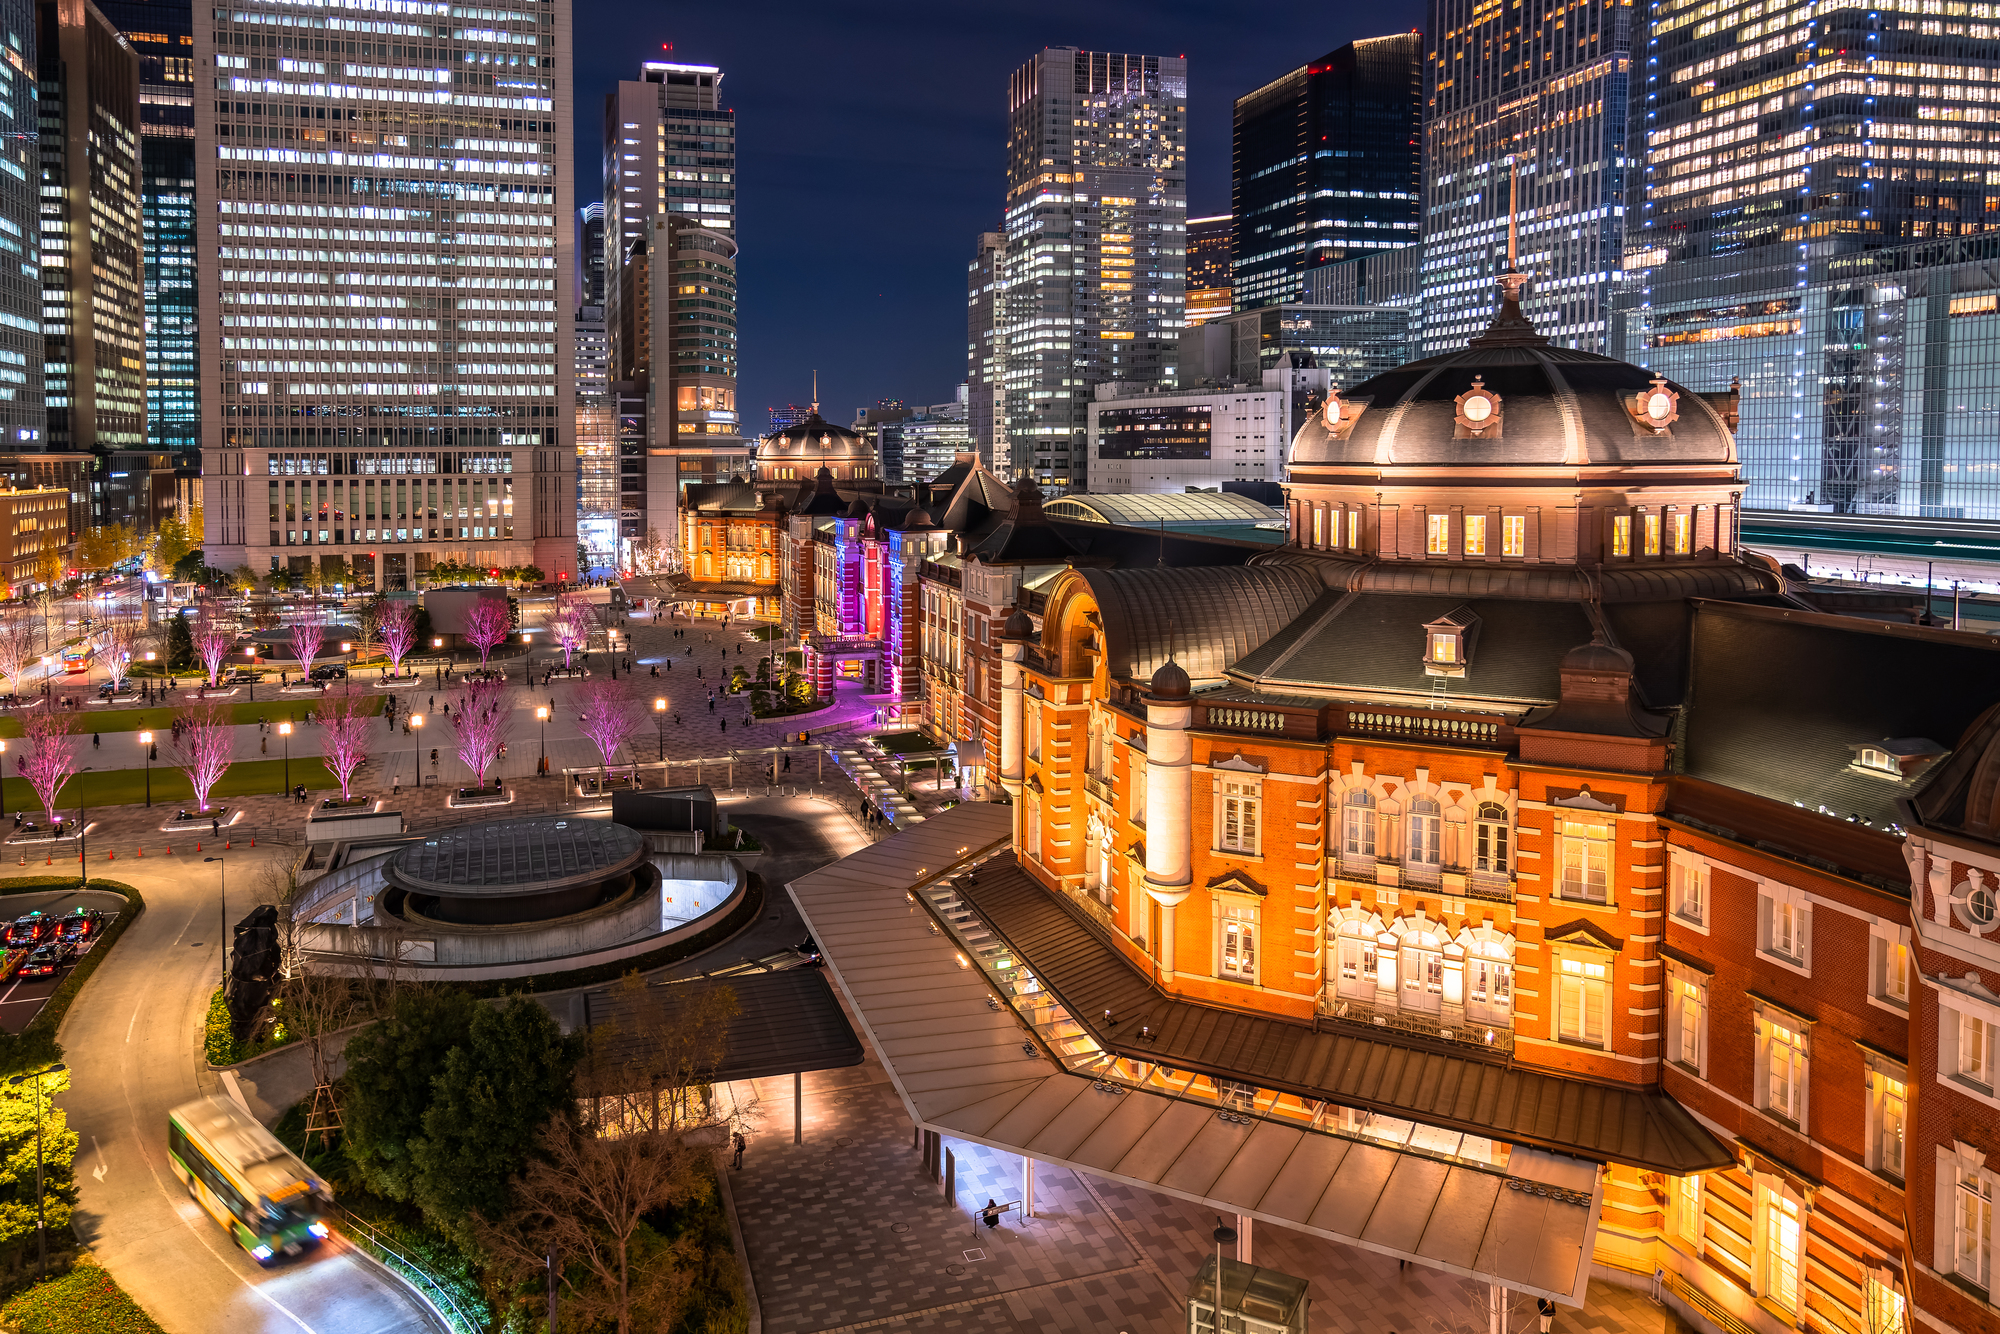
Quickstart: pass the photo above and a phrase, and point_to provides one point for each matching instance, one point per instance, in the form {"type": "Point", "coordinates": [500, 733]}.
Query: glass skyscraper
{"type": "Point", "coordinates": [23, 423]}
{"type": "Point", "coordinates": [1327, 165]}
{"type": "Point", "coordinates": [1210, 284]}
{"type": "Point", "coordinates": [1096, 228]}
{"type": "Point", "coordinates": [1545, 93]}
{"type": "Point", "coordinates": [382, 344]}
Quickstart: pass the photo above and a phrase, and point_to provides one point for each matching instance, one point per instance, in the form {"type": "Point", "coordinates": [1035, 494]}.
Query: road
{"type": "Point", "coordinates": [133, 1043]}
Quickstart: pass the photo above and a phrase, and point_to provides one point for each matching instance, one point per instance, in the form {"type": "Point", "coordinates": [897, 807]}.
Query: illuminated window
{"type": "Point", "coordinates": [1319, 519]}
{"type": "Point", "coordinates": [1652, 534]}
{"type": "Point", "coordinates": [1239, 944]}
{"type": "Point", "coordinates": [1683, 534]}
{"type": "Point", "coordinates": [1444, 648]}
{"type": "Point", "coordinates": [1584, 1001]}
{"type": "Point", "coordinates": [1687, 1207]}
{"type": "Point", "coordinates": [1236, 816]}
{"type": "Point", "coordinates": [1438, 534]}
{"type": "Point", "coordinates": [1687, 1006]}
{"type": "Point", "coordinates": [1972, 1227]}
{"type": "Point", "coordinates": [1779, 1251]}
{"type": "Point", "coordinates": [1888, 1110]}
{"type": "Point", "coordinates": [1885, 1308]}
{"type": "Point", "coordinates": [1475, 535]}
{"type": "Point", "coordinates": [1514, 535]}
{"type": "Point", "coordinates": [1586, 858]}
{"type": "Point", "coordinates": [1621, 535]}
{"type": "Point", "coordinates": [1781, 1083]}
{"type": "Point", "coordinates": [1358, 825]}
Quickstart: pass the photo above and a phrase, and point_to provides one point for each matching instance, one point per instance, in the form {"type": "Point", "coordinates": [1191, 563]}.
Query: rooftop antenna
{"type": "Point", "coordinates": [816, 372]}
{"type": "Point", "coordinates": [1163, 541]}
{"type": "Point", "coordinates": [1513, 212]}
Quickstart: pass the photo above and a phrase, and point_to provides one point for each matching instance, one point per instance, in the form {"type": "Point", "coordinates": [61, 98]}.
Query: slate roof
{"type": "Point", "coordinates": [1204, 618]}
{"type": "Point", "coordinates": [1963, 791]}
{"type": "Point", "coordinates": [1375, 641]}
{"type": "Point", "coordinates": [718, 497]}
{"type": "Point", "coordinates": [1603, 1122]}
{"type": "Point", "coordinates": [1779, 696]}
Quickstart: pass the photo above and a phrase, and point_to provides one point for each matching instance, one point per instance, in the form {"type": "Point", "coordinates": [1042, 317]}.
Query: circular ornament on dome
{"type": "Point", "coordinates": [1478, 408]}
{"type": "Point", "coordinates": [1331, 411]}
{"type": "Point", "coordinates": [1656, 408]}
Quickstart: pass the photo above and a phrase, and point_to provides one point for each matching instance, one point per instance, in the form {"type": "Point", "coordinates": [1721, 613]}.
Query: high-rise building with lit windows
{"type": "Point", "coordinates": [1326, 166]}
{"type": "Point", "coordinates": [1543, 94]}
{"type": "Point", "coordinates": [23, 422]}
{"type": "Point", "coordinates": [383, 343]}
{"type": "Point", "coordinates": [590, 254]}
{"type": "Point", "coordinates": [1210, 286]}
{"type": "Point", "coordinates": [1096, 231]}
{"type": "Point", "coordinates": [1816, 221]}
{"type": "Point", "coordinates": [985, 350]}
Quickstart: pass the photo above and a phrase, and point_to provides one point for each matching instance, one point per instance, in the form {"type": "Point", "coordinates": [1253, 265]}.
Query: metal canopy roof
{"type": "Point", "coordinates": [1144, 509]}
{"type": "Point", "coordinates": [787, 1021]}
{"type": "Point", "coordinates": [517, 856]}
{"type": "Point", "coordinates": [964, 1069]}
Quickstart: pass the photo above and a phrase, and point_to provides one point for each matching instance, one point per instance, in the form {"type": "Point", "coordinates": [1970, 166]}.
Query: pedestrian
{"type": "Point", "coordinates": [263, 745]}
{"type": "Point", "coordinates": [725, 724]}
{"type": "Point", "coordinates": [215, 828]}
{"type": "Point", "coordinates": [788, 762]}
{"type": "Point", "coordinates": [434, 703]}
{"type": "Point", "coordinates": [738, 1144]}
{"type": "Point", "coordinates": [991, 1216]}
{"type": "Point", "coordinates": [96, 741]}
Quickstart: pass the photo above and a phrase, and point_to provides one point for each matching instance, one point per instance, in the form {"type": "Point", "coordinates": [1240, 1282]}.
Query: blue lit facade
{"type": "Point", "coordinates": [23, 420]}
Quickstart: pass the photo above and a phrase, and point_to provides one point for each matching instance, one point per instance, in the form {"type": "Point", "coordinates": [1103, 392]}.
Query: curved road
{"type": "Point", "coordinates": [133, 1043]}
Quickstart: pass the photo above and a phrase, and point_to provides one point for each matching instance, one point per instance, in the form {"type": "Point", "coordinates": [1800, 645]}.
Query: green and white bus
{"type": "Point", "coordinates": [248, 1182]}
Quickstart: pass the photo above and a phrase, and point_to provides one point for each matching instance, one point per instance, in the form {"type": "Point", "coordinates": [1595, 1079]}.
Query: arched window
{"type": "Point", "coordinates": [1489, 982]}
{"type": "Point", "coordinates": [1355, 970]}
{"type": "Point", "coordinates": [1423, 972]}
{"type": "Point", "coordinates": [1490, 839]}
{"type": "Point", "coordinates": [1358, 827]}
{"type": "Point", "coordinates": [1426, 837]}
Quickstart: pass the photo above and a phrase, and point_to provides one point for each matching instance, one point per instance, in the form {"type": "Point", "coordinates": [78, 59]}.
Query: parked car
{"type": "Point", "coordinates": [28, 929]}
{"type": "Point", "coordinates": [332, 671]}
{"type": "Point", "coordinates": [79, 925]}
{"type": "Point", "coordinates": [48, 960]}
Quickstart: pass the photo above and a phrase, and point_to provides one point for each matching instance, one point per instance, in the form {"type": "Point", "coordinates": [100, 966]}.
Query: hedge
{"type": "Point", "coordinates": [218, 1038]}
{"type": "Point", "coordinates": [36, 1044]}
{"type": "Point", "coordinates": [86, 1300]}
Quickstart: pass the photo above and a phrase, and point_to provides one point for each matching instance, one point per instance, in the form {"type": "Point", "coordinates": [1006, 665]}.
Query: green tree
{"type": "Point", "coordinates": [243, 579]}
{"type": "Point", "coordinates": [390, 1066]}
{"type": "Point", "coordinates": [490, 1101]}
{"type": "Point", "coordinates": [172, 542]}
{"type": "Point", "coordinates": [180, 645]}
{"type": "Point", "coordinates": [17, 1162]}
{"type": "Point", "coordinates": [189, 566]}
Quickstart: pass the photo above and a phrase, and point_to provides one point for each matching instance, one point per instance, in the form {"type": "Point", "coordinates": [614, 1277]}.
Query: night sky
{"type": "Point", "coordinates": [871, 144]}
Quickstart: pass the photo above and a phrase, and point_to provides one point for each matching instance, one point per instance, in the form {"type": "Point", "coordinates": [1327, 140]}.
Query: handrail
{"type": "Point", "coordinates": [371, 1239]}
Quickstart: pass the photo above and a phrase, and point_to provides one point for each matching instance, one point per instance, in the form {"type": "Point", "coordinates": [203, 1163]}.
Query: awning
{"type": "Point", "coordinates": [787, 1022]}
{"type": "Point", "coordinates": [965, 1067]}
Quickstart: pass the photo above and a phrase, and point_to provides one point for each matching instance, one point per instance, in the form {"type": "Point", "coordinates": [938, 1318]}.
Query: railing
{"type": "Point", "coordinates": [1429, 727]}
{"type": "Point", "coordinates": [1089, 902]}
{"type": "Point", "coordinates": [1244, 720]}
{"type": "Point", "coordinates": [1716, 1314]}
{"type": "Point", "coordinates": [1097, 787]}
{"type": "Point", "coordinates": [440, 1299]}
{"type": "Point", "coordinates": [1489, 1039]}
{"type": "Point", "coordinates": [1489, 887]}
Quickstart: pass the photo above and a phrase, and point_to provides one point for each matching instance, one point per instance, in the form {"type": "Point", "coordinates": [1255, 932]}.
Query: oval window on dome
{"type": "Point", "coordinates": [1659, 406]}
{"type": "Point", "coordinates": [1478, 408]}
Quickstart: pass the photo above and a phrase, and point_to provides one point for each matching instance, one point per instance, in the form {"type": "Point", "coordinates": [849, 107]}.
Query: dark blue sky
{"type": "Point", "coordinates": [871, 143]}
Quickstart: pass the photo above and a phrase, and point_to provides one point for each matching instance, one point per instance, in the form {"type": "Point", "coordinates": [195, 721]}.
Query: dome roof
{"type": "Point", "coordinates": [813, 442]}
{"type": "Point", "coordinates": [1544, 406]}
{"type": "Point", "coordinates": [1170, 682]}
{"type": "Point", "coordinates": [1018, 626]}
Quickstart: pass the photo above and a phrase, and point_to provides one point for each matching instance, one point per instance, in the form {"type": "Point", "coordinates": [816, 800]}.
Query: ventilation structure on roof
{"type": "Point", "coordinates": [1450, 640]}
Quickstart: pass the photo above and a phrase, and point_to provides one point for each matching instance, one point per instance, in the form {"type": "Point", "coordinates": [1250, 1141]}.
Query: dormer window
{"type": "Point", "coordinates": [1449, 641]}
{"type": "Point", "coordinates": [1897, 759]}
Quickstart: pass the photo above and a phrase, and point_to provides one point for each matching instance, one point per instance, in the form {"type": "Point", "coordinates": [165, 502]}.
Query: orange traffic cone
{"type": "Point", "coordinates": [142, 852]}
{"type": "Point", "coordinates": [197, 847]}
{"type": "Point", "coordinates": [225, 847]}
{"type": "Point", "coordinates": [112, 856]}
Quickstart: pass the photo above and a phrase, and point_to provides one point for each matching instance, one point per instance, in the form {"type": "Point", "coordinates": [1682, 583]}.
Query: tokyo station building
{"type": "Point", "coordinates": [1509, 874]}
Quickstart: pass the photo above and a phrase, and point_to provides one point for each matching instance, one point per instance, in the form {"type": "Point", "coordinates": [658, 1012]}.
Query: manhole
{"type": "Point", "coordinates": [971, 1256]}
{"type": "Point", "coordinates": [197, 945]}
{"type": "Point", "coordinates": [844, 1142]}
{"type": "Point", "coordinates": [899, 1227]}
{"type": "Point", "coordinates": [954, 1269]}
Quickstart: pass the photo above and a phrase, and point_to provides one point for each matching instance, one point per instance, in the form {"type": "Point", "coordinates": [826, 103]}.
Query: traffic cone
{"type": "Point", "coordinates": [197, 847]}
{"type": "Point", "coordinates": [112, 856]}
{"type": "Point", "coordinates": [142, 852]}
{"type": "Point", "coordinates": [225, 847]}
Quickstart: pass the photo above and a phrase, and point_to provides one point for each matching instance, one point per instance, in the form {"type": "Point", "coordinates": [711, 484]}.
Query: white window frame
{"type": "Point", "coordinates": [1588, 976]}
{"type": "Point", "coordinates": [1889, 986]}
{"type": "Point", "coordinates": [1586, 846]}
{"type": "Point", "coordinates": [1689, 1206]}
{"type": "Point", "coordinates": [1492, 839]}
{"type": "Point", "coordinates": [1779, 1277]}
{"type": "Point", "coordinates": [1489, 983]}
{"type": "Point", "coordinates": [1783, 1062]}
{"type": "Point", "coordinates": [1236, 943]}
{"type": "Point", "coordinates": [1888, 1116]}
{"type": "Point", "coordinates": [1426, 834]}
{"type": "Point", "coordinates": [1514, 535]}
{"type": "Point", "coordinates": [1784, 926]}
{"type": "Point", "coordinates": [1359, 836]}
{"type": "Point", "coordinates": [1971, 1225]}
{"type": "Point", "coordinates": [1954, 1009]}
{"type": "Point", "coordinates": [1239, 811]}
{"type": "Point", "coordinates": [1690, 897]}
{"type": "Point", "coordinates": [1687, 1019]}
{"type": "Point", "coordinates": [1437, 534]}
{"type": "Point", "coordinates": [1474, 541]}
{"type": "Point", "coordinates": [1356, 960]}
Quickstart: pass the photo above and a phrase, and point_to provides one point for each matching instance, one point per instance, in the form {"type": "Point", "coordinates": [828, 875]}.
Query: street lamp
{"type": "Point", "coordinates": [285, 731]}
{"type": "Point", "coordinates": [660, 718]}
{"type": "Point", "coordinates": [222, 910]}
{"type": "Point", "coordinates": [146, 740]}
{"type": "Point", "coordinates": [41, 1227]}
{"type": "Point", "coordinates": [611, 645]}
{"type": "Point", "coordinates": [417, 722]}
{"type": "Point", "coordinates": [3, 780]}
{"type": "Point", "coordinates": [82, 834]}
{"type": "Point", "coordinates": [542, 717]}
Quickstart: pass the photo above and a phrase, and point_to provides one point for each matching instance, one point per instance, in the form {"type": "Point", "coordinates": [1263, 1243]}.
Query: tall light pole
{"type": "Point", "coordinates": [417, 722]}
{"type": "Point", "coordinates": [660, 720]}
{"type": "Point", "coordinates": [82, 834]}
{"type": "Point", "coordinates": [41, 1222]}
{"type": "Point", "coordinates": [542, 717]}
{"type": "Point", "coordinates": [146, 741]}
{"type": "Point", "coordinates": [3, 778]}
{"type": "Point", "coordinates": [285, 731]}
{"type": "Point", "coordinates": [222, 911]}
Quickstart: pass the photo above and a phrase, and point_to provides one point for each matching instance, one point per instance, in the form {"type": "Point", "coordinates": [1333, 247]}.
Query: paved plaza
{"type": "Point", "coordinates": [845, 1233]}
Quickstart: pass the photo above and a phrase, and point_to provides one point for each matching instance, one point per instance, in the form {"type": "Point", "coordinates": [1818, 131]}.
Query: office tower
{"type": "Point", "coordinates": [789, 415]}
{"type": "Point", "coordinates": [1545, 95]}
{"type": "Point", "coordinates": [1326, 164]}
{"type": "Point", "coordinates": [1210, 242]}
{"type": "Point", "coordinates": [23, 423]}
{"type": "Point", "coordinates": [590, 254]}
{"type": "Point", "coordinates": [93, 264]}
{"type": "Point", "coordinates": [382, 341]}
{"type": "Point", "coordinates": [669, 147]}
{"type": "Point", "coordinates": [985, 348]}
{"type": "Point", "coordinates": [1096, 227]}
{"type": "Point", "coordinates": [596, 430]}
{"type": "Point", "coordinates": [161, 32]}
{"type": "Point", "coordinates": [1828, 266]}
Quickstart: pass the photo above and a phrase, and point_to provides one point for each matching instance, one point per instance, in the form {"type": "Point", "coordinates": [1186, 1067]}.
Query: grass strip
{"type": "Point", "coordinates": [86, 1300]}
{"type": "Point", "coordinates": [127, 787]}
{"type": "Point", "coordinates": [274, 708]}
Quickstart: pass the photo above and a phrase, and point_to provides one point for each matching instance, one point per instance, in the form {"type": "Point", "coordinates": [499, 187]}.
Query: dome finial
{"type": "Point", "coordinates": [1510, 328]}
{"type": "Point", "coordinates": [815, 391]}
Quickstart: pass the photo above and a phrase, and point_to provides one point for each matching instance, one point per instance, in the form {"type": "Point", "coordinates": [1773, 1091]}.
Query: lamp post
{"type": "Point", "coordinates": [285, 731]}
{"type": "Point", "coordinates": [41, 1226]}
{"type": "Point", "coordinates": [542, 717]}
{"type": "Point", "coordinates": [222, 911]}
{"type": "Point", "coordinates": [146, 740]}
{"type": "Point", "coordinates": [82, 834]}
{"type": "Point", "coordinates": [611, 646]}
{"type": "Point", "coordinates": [417, 723]}
{"type": "Point", "coordinates": [660, 720]}
{"type": "Point", "coordinates": [3, 780]}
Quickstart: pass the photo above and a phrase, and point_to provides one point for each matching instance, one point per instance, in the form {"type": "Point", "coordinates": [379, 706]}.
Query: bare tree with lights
{"type": "Point", "coordinates": [17, 650]}
{"type": "Point", "coordinates": [116, 639]}
{"type": "Point", "coordinates": [486, 625]}
{"type": "Point", "coordinates": [610, 716]}
{"type": "Point", "coordinates": [212, 642]}
{"type": "Point", "coordinates": [203, 746]}
{"type": "Point", "coordinates": [570, 621]}
{"type": "Point", "coordinates": [482, 718]}
{"type": "Point", "coordinates": [399, 633]}
{"type": "Point", "coordinates": [308, 637]}
{"type": "Point", "coordinates": [343, 731]}
{"type": "Point", "coordinates": [51, 757]}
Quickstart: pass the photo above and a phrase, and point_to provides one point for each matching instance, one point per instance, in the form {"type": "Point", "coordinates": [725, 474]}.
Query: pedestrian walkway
{"type": "Point", "coordinates": [845, 1232]}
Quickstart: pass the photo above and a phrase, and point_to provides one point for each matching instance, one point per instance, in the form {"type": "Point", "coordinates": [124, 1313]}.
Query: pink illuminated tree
{"type": "Point", "coordinates": [399, 633]}
{"type": "Point", "coordinates": [486, 625]}
{"type": "Point", "coordinates": [212, 641]}
{"type": "Point", "coordinates": [343, 731]}
{"type": "Point", "coordinates": [609, 715]}
{"type": "Point", "coordinates": [51, 759]}
{"type": "Point", "coordinates": [308, 635]}
{"type": "Point", "coordinates": [204, 747]}
{"type": "Point", "coordinates": [482, 719]}
{"type": "Point", "coordinates": [17, 650]}
{"type": "Point", "coordinates": [570, 622]}
{"type": "Point", "coordinates": [116, 639]}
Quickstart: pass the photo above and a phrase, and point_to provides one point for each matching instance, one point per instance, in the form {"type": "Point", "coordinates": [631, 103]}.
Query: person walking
{"type": "Point", "coordinates": [737, 1142]}
{"type": "Point", "coordinates": [96, 741]}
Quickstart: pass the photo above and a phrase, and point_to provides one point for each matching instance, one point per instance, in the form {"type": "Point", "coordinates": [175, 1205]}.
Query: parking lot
{"type": "Point", "coordinates": [22, 998]}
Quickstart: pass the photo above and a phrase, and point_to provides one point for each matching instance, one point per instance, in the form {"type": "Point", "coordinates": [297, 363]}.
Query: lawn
{"type": "Point", "coordinates": [127, 787]}
{"type": "Point", "coordinates": [906, 743]}
{"type": "Point", "coordinates": [277, 708]}
{"type": "Point", "coordinates": [86, 1300]}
